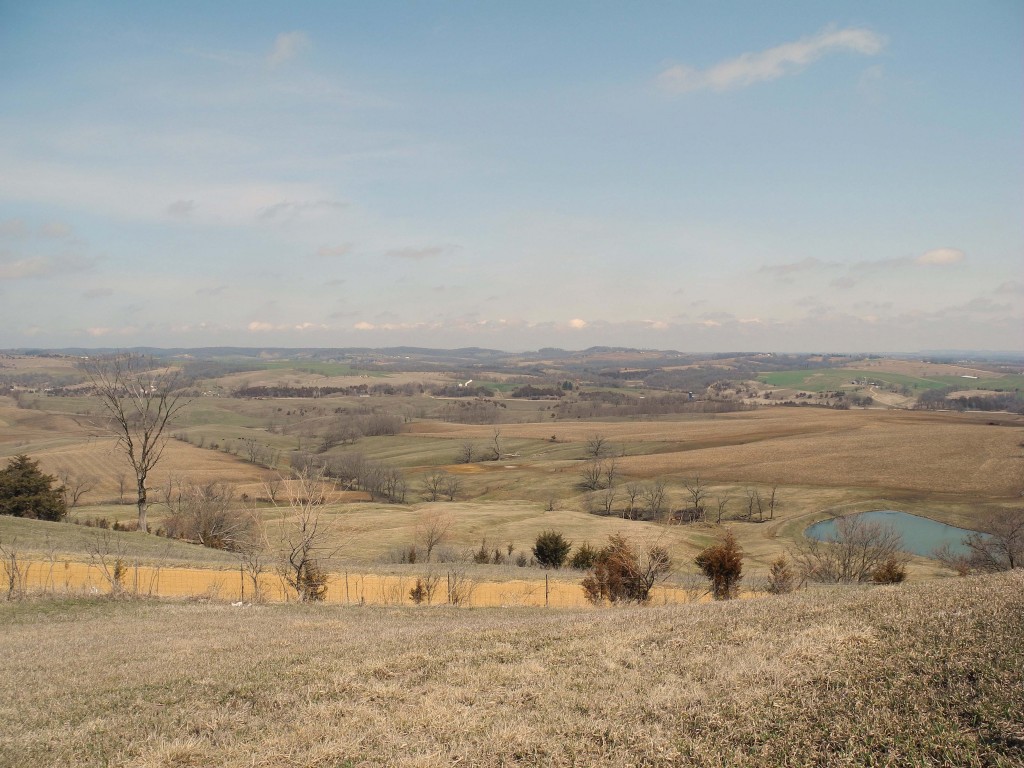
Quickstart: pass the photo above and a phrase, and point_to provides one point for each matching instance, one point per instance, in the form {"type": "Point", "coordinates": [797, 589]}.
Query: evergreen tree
{"type": "Point", "coordinates": [26, 491]}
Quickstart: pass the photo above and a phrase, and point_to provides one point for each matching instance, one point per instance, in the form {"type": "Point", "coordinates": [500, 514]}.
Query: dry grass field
{"type": "Point", "coordinates": [918, 675]}
{"type": "Point", "coordinates": [952, 467]}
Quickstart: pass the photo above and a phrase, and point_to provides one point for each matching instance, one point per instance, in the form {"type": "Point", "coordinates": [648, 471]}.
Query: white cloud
{"type": "Point", "coordinates": [940, 256]}
{"type": "Point", "coordinates": [258, 326]}
{"type": "Point", "coordinates": [770, 64]}
{"type": "Point", "coordinates": [287, 46]}
{"type": "Point", "coordinates": [577, 323]}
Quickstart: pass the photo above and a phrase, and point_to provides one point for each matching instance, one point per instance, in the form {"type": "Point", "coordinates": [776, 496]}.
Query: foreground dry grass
{"type": "Point", "coordinates": [925, 674]}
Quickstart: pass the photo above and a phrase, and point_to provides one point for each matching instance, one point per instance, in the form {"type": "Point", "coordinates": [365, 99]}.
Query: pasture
{"type": "Point", "coordinates": [923, 674]}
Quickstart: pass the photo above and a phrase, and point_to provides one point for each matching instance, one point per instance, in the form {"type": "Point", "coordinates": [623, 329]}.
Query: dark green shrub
{"type": "Point", "coordinates": [583, 558]}
{"type": "Point", "coordinates": [26, 491]}
{"type": "Point", "coordinates": [551, 549]}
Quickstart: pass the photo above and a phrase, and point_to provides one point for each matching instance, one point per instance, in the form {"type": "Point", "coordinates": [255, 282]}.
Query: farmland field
{"type": "Point", "coordinates": [952, 467]}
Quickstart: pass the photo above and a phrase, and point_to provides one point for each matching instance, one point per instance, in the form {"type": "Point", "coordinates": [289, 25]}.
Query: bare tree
{"type": "Point", "coordinates": [141, 402]}
{"type": "Point", "coordinates": [273, 487]}
{"type": "Point", "coordinates": [608, 498]}
{"type": "Point", "coordinates": [1000, 548]}
{"type": "Point", "coordinates": [698, 492]}
{"type": "Point", "coordinates": [592, 475]}
{"type": "Point", "coordinates": [74, 486]}
{"type": "Point", "coordinates": [435, 485]}
{"type": "Point", "coordinates": [467, 451]}
{"type": "Point", "coordinates": [307, 539]}
{"type": "Point", "coordinates": [722, 502]}
{"type": "Point", "coordinates": [597, 447]}
{"type": "Point", "coordinates": [851, 554]}
{"type": "Point", "coordinates": [496, 445]}
{"type": "Point", "coordinates": [773, 501]}
{"type": "Point", "coordinates": [251, 546]}
{"type": "Point", "coordinates": [754, 502]}
{"type": "Point", "coordinates": [654, 498]}
{"type": "Point", "coordinates": [432, 529]}
{"type": "Point", "coordinates": [611, 468]}
{"type": "Point", "coordinates": [633, 492]}
{"type": "Point", "coordinates": [452, 487]}
{"type": "Point", "coordinates": [122, 483]}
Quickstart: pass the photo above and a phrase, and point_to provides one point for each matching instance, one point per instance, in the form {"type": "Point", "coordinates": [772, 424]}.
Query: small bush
{"type": "Point", "coordinates": [781, 578]}
{"type": "Point", "coordinates": [892, 571]}
{"type": "Point", "coordinates": [722, 564]}
{"type": "Point", "coordinates": [551, 549]}
{"type": "Point", "coordinates": [583, 558]}
{"type": "Point", "coordinates": [625, 573]}
{"type": "Point", "coordinates": [312, 583]}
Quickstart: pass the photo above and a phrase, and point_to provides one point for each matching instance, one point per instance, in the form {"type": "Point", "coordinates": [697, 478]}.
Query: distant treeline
{"type": "Point", "coordinates": [939, 399]}
{"type": "Point", "coordinates": [593, 404]}
{"type": "Point", "coordinates": [354, 390]}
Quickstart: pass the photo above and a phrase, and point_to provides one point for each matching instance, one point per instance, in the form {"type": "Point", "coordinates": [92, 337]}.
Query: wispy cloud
{"type": "Point", "coordinates": [771, 64]}
{"type": "Point", "coordinates": [181, 209]}
{"type": "Point", "coordinates": [289, 210]}
{"type": "Point", "coordinates": [287, 46]}
{"type": "Point", "coordinates": [783, 270]}
{"type": "Point", "coordinates": [334, 251]}
{"type": "Point", "coordinates": [1011, 288]}
{"type": "Point", "coordinates": [415, 253]}
{"type": "Point", "coordinates": [940, 257]}
{"type": "Point", "coordinates": [21, 269]}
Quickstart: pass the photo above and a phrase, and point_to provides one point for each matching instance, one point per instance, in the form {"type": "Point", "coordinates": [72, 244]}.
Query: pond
{"type": "Point", "coordinates": [921, 535]}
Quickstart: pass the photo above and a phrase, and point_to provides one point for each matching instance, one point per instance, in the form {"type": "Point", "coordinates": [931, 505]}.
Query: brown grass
{"type": "Point", "coordinates": [896, 676]}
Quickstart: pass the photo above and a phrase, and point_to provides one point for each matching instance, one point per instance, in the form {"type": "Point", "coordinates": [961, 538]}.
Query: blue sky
{"type": "Point", "coordinates": [697, 176]}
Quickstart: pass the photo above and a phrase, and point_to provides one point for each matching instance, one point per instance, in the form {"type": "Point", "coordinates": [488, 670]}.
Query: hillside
{"type": "Point", "coordinates": [923, 674]}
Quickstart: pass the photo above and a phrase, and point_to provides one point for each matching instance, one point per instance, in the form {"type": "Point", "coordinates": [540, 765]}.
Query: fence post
{"type": "Point", "coordinates": [545, 590]}
{"type": "Point", "coordinates": [241, 580]}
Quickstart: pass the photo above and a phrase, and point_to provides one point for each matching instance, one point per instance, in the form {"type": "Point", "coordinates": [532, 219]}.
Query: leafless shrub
{"type": "Point", "coordinates": [425, 588]}
{"type": "Point", "coordinates": [999, 548]}
{"type": "Point", "coordinates": [108, 553]}
{"type": "Point", "coordinates": [460, 586]}
{"type": "Point", "coordinates": [15, 570]}
{"type": "Point", "coordinates": [307, 541]}
{"type": "Point", "coordinates": [851, 554]}
{"type": "Point", "coordinates": [432, 529]}
{"type": "Point", "coordinates": [208, 514]}
{"type": "Point", "coordinates": [625, 572]}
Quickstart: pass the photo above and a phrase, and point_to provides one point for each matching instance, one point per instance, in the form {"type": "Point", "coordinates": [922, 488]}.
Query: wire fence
{"type": "Point", "coordinates": [456, 586]}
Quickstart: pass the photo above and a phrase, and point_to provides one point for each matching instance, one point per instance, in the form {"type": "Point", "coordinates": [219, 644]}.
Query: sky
{"type": "Point", "coordinates": [698, 176]}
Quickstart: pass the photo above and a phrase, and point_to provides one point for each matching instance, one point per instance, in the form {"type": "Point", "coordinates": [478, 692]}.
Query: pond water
{"type": "Point", "coordinates": [921, 535]}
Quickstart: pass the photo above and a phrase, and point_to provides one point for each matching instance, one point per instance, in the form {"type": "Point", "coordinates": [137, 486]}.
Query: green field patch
{"type": "Point", "coordinates": [843, 378]}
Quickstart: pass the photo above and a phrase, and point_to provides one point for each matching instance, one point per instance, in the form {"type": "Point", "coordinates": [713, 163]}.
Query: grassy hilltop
{"type": "Point", "coordinates": [923, 674]}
